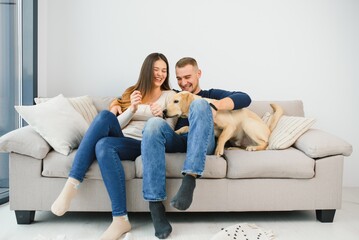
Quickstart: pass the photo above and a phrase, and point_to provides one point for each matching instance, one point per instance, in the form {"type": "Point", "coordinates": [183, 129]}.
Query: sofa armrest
{"type": "Point", "coordinates": [24, 141]}
{"type": "Point", "coordinates": [316, 143]}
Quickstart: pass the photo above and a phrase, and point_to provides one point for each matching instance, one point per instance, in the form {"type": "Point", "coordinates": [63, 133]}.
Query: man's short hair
{"type": "Point", "coordinates": [186, 61]}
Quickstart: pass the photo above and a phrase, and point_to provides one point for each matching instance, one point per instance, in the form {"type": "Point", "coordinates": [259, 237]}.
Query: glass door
{"type": "Point", "coordinates": [18, 55]}
{"type": "Point", "coordinates": [8, 91]}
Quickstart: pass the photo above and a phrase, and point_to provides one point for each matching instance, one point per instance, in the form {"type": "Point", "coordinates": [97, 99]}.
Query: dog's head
{"type": "Point", "coordinates": [179, 104]}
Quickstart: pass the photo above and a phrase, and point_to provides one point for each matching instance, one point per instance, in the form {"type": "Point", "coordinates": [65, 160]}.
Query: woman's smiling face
{"type": "Point", "coordinates": [159, 72]}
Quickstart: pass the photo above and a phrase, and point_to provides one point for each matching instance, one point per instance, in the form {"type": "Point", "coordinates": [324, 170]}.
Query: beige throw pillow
{"type": "Point", "coordinates": [57, 122]}
{"type": "Point", "coordinates": [288, 130]}
{"type": "Point", "coordinates": [83, 105]}
{"type": "Point", "coordinates": [25, 141]}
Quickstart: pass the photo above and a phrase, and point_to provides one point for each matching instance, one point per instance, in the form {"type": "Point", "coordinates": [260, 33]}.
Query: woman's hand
{"type": "Point", "coordinates": [116, 109]}
{"type": "Point", "coordinates": [156, 110]}
{"type": "Point", "coordinates": [136, 99]}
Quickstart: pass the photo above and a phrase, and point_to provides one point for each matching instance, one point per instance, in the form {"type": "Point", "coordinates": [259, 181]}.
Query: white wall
{"type": "Point", "coordinates": [273, 50]}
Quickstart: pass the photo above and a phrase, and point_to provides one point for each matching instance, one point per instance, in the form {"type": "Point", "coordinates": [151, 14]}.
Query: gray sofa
{"type": "Point", "coordinates": [306, 176]}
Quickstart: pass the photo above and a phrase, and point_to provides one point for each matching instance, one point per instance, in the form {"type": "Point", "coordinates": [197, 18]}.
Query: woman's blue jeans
{"type": "Point", "coordinates": [159, 137]}
{"type": "Point", "coordinates": [105, 142]}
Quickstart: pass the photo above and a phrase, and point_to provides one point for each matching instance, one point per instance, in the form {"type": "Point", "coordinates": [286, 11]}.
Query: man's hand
{"type": "Point", "coordinates": [223, 104]}
{"type": "Point", "coordinates": [136, 99]}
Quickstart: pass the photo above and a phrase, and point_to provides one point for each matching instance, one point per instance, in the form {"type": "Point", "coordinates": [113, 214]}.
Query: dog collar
{"type": "Point", "coordinates": [212, 106]}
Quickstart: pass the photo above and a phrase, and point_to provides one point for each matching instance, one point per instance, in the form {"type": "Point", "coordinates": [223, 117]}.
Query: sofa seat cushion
{"type": "Point", "coordinates": [216, 167]}
{"type": "Point", "coordinates": [59, 165]}
{"type": "Point", "coordinates": [287, 163]}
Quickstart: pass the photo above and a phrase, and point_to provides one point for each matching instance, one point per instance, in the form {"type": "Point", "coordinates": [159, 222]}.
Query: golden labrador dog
{"type": "Point", "coordinates": [229, 125]}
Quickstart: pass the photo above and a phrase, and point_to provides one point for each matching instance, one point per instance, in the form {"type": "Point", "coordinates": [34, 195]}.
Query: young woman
{"type": "Point", "coordinates": [111, 139]}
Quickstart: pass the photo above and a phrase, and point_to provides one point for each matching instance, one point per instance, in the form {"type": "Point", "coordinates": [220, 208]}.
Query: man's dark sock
{"type": "Point", "coordinates": [183, 199]}
{"type": "Point", "coordinates": [158, 214]}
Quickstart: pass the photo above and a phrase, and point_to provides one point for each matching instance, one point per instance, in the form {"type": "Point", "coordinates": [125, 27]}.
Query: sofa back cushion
{"type": "Point", "coordinates": [290, 107]}
{"type": "Point", "coordinates": [102, 103]}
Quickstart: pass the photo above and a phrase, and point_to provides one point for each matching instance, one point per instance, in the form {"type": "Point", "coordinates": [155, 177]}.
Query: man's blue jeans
{"type": "Point", "coordinates": [105, 142]}
{"type": "Point", "coordinates": [158, 138]}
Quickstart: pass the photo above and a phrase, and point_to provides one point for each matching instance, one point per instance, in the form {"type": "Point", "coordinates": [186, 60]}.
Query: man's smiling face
{"type": "Point", "coordinates": [188, 78]}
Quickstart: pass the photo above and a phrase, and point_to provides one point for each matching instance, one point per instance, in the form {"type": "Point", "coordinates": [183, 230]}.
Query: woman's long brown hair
{"type": "Point", "coordinates": [144, 82]}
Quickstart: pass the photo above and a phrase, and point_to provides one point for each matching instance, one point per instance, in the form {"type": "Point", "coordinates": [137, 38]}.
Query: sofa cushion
{"type": "Point", "coordinates": [57, 122]}
{"type": "Point", "coordinates": [102, 103]}
{"type": "Point", "coordinates": [288, 163]}
{"type": "Point", "coordinates": [24, 141]}
{"type": "Point", "coordinates": [290, 108]}
{"type": "Point", "coordinates": [59, 165]}
{"type": "Point", "coordinates": [317, 144]}
{"type": "Point", "coordinates": [216, 167]}
{"type": "Point", "coordinates": [288, 130]}
{"type": "Point", "coordinates": [82, 105]}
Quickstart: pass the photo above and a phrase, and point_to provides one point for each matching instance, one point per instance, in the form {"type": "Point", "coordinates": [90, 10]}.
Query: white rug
{"type": "Point", "coordinates": [244, 231]}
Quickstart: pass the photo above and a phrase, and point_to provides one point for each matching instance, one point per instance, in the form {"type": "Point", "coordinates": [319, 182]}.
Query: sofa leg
{"type": "Point", "coordinates": [24, 217]}
{"type": "Point", "coordinates": [325, 216]}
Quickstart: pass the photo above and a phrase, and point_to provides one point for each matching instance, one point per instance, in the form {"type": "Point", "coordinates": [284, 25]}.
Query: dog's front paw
{"type": "Point", "coordinates": [184, 129]}
{"type": "Point", "coordinates": [219, 151]}
{"type": "Point", "coordinates": [251, 148]}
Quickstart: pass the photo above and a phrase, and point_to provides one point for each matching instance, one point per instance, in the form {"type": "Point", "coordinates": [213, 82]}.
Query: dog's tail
{"type": "Point", "coordinates": [277, 113]}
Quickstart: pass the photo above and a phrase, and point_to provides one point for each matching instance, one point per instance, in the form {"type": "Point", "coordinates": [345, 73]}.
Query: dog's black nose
{"type": "Point", "coordinates": [164, 113]}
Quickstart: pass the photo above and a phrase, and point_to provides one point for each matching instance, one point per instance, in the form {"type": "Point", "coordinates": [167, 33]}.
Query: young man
{"type": "Point", "coordinates": [159, 137]}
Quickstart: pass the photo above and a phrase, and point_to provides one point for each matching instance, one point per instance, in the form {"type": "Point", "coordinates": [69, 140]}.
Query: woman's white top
{"type": "Point", "coordinates": [132, 124]}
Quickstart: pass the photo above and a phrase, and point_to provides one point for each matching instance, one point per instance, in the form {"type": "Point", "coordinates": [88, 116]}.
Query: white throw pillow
{"type": "Point", "coordinates": [288, 130]}
{"type": "Point", "coordinates": [83, 105]}
{"type": "Point", "coordinates": [57, 122]}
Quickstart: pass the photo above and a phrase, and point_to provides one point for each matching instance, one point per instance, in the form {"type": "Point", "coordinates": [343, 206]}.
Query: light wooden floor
{"type": "Point", "coordinates": [300, 225]}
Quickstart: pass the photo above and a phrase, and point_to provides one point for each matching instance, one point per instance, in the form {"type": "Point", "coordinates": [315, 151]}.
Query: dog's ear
{"type": "Point", "coordinates": [186, 102]}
